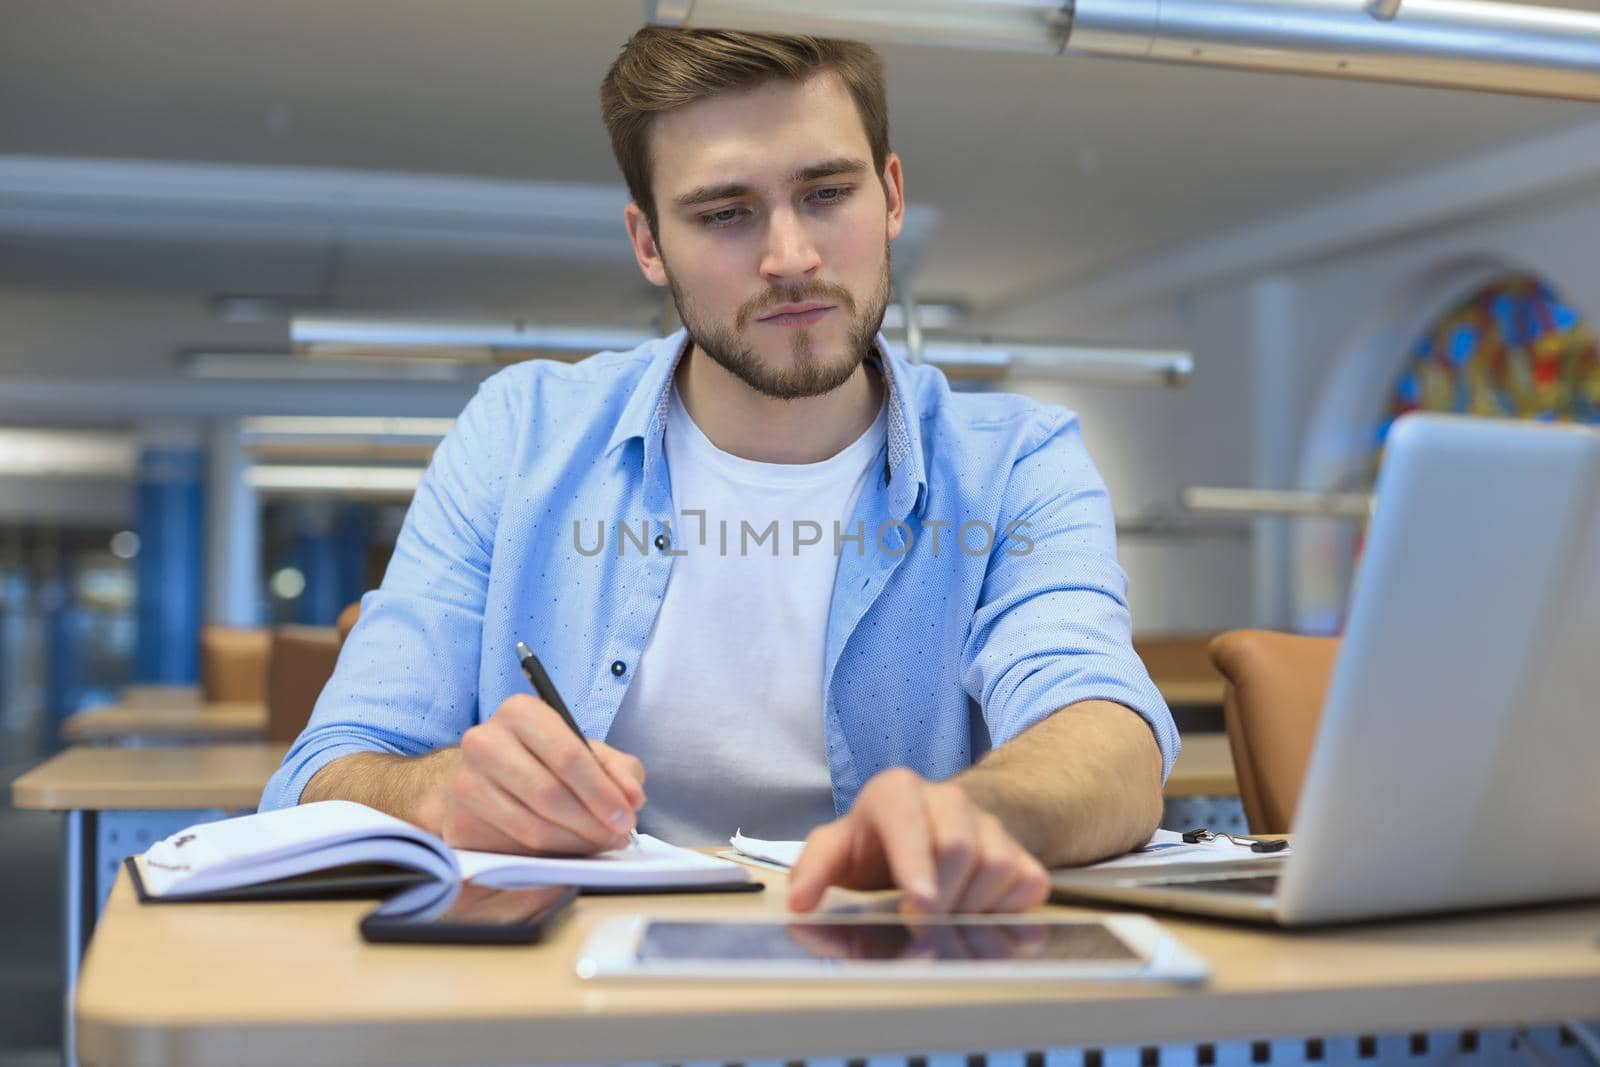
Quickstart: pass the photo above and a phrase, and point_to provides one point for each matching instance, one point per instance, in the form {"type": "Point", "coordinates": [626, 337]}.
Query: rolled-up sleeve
{"type": "Point", "coordinates": [1052, 627]}
{"type": "Point", "coordinates": [407, 678]}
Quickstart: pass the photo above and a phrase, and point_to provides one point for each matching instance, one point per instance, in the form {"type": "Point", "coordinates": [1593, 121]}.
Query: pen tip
{"type": "Point", "coordinates": [523, 651]}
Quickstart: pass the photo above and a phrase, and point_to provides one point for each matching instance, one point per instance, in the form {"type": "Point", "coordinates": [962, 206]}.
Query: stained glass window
{"type": "Point", "coordinates": [1512, 349]}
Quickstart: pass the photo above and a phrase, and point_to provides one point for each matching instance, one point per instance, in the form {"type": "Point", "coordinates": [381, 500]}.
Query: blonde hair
{"type": "Point", "coordinates": [661, 69]}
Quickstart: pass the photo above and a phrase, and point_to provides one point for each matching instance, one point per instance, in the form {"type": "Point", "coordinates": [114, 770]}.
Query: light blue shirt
{"type": "Point", "coordinates": [539, 520]}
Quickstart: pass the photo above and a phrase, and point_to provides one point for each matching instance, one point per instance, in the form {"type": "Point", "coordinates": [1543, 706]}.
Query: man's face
{"type": "Point", "coordinates": [773, 232]}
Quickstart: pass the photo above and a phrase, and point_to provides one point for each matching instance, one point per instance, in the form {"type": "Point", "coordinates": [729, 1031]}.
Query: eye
{"type": "Point", "coordinates": [723, 217]}
{"type": "Point", "coordinates": [831, 194]}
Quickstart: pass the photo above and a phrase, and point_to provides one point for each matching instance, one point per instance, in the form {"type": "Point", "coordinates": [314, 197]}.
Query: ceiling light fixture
{"type": "Point", "coordinates": [275, 366]}
{"type": "Point", "coordinates": [489, 342]}
{"type": "Point", "coordinates": [386, 483]}
{"type": "Point", "coordinates": [1463, 44]}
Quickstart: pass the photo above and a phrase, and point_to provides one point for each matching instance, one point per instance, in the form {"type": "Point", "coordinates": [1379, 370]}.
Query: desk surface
{"type": "Point", "coordinates": [193, 776]}
{"type": "Point", "coordinates": [1191, 692]}
{"type": "Point", "coordinates": [232, 776]}
{"type": "Point", "coordinates": [1204, 768]}
{"type": "Point", "coordinates": [175, 722]}
{"type": "Point", "coordinates": [270, 983]}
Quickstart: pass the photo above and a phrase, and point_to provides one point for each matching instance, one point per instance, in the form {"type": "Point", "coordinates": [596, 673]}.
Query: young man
{"type": "Point", "coordinates": [796, 577]}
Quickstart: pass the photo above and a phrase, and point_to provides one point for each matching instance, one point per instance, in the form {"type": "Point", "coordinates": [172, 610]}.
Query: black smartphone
{"type": "Point", "coordinates": [467, 914]}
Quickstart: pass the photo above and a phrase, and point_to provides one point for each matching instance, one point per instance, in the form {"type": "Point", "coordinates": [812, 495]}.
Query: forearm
{"type": "Point", "coordinates": [413, 788]}
{"type": "Point", "coordinates": [1080, 786]}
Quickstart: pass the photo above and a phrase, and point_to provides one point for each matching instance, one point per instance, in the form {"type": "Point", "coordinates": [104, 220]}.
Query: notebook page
{"type": "Point", "coordinates": [651, 862]}
{"type": "Point", "coordinates": [781, 853]}
{"type": "Point", "coordinates": [274, 844]}
{"type": "Point", "coordinates": [1168, 847]}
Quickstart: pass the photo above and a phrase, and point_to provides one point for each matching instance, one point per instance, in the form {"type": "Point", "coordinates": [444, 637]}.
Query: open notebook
{"type": "Point", "coordinates": [340, 846]}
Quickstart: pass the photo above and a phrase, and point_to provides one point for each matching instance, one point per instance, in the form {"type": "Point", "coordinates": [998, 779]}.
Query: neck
{"type": "Point", "coordinates": [751, 425]}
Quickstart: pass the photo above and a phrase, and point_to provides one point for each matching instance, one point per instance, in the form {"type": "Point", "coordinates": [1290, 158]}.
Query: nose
{"type": "Point", "coordinates": [790, 254]}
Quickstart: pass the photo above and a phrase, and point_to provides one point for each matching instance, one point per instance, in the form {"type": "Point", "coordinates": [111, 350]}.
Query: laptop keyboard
{"type": "Point", "coordinates": [1264, 884]}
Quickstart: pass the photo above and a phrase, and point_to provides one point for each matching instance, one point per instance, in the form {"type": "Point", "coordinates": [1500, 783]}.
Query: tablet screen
{"type": "Point", "coordinates": [885, 940]}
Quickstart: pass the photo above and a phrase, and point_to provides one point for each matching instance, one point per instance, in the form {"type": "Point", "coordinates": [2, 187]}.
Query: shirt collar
{"type": "Point", "coordinates": [645, 418]}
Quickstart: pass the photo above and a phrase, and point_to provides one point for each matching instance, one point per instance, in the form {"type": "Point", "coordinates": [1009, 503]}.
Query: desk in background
{"type": "Point", "coordinates": [188, 985]}
{"type": "Point", "coordinates": [175, 723]}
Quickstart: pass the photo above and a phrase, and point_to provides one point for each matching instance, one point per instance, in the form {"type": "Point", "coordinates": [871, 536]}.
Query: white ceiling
{"type": "Point", "coordinates": [1041, 170]}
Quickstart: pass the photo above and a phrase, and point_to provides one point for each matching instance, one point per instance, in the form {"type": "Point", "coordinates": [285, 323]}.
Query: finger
{"type": "Point", "coordinates": [626, 771]}
{"type": "Point", "coordinates": [570, 760]}
{"type": "Point", "coordinates": [957, 844]}
{"type": "Point", "coordinates": [1018, 881]}
{"type": "Point", "coordinates": [896, 825]}
{"type": "Point", "coordinates": [492, 814]}
{"type": "Point", "coordinates": [533, 787]}
{"type": "Point", "coordinates": [824, 861]}
{"type": "Point", "coordinates": [1000, 861]}
{"type": "Point", "coordinates": [1029, 891]}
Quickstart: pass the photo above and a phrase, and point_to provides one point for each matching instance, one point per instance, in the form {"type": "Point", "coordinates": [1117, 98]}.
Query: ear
{"type": "Point", "coordinates": [645, 249]}
{"type": "Point", "coordinates": [894, 191]}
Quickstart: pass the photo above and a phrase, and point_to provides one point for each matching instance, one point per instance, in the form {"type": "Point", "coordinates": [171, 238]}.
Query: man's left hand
{"type": "Point", "coordinates": [930, 840]}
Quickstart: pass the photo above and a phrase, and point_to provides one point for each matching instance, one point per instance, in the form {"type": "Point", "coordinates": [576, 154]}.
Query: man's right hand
{"type": "Point", "coordinates": [524, 782]}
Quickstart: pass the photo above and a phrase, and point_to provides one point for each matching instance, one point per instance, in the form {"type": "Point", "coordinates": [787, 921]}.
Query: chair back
{"type": "Point", "coordinates": [302, 661]}
{"type": "Point", "coordinates": [233, 664]}
{"type": "Point", "coordinates": [347, 620]}
{"type": "Point", "coordinates": [1275, 684]}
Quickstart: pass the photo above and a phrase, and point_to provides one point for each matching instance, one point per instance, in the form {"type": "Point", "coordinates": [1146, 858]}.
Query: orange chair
{"type": "Point", "coordinates": [347, 620]}
{"type": "Point", "coordinates": [303, 658]}
{"type": "Point", "coordinates": [1275, 685]}
{"type": "Point", "coordinates": [1176, 657]}
{"type": "Point", "coordinates": [233, 664]}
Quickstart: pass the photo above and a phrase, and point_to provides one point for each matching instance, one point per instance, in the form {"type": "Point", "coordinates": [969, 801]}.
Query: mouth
{"type": "Point", "coordinates": [793, 315]}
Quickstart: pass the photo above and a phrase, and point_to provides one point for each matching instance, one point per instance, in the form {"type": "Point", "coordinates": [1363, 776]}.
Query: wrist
{"type": "Point", "coordinates": [432, 803]}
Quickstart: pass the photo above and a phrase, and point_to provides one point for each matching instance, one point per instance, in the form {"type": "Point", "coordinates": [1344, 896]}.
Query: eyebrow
{"type": "Point", "coordinates": [826, 169]}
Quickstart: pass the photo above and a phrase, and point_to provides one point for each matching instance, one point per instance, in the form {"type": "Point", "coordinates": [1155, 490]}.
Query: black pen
{"type": "Point", "coordinates": [547, 693]}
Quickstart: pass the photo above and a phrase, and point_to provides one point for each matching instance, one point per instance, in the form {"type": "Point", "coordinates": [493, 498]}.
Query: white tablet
{"type": "Point", "coordinates": [1003, 947]}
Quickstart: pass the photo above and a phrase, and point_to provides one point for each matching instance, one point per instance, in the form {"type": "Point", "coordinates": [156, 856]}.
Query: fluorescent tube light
{"type": "Point", "coordinates": [320, 337]}
{"type": "Point", "coordinates": [981, 359]}
{"type": "Point", "coordinates": [1265, 502]}
{"type": "Point", "coordinates": [267, 366]}
{"type": "Point", "coordinates": [370, 426]}
{"type": "Point", "coordinates": [314, 480]}
{"type": "Point", "coordinates": [1014, 25]}
{"type": "Point", "coordinates": [1462, 44]}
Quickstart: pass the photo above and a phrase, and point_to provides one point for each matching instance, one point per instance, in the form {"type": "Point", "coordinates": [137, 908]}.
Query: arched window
{"type": "Point", "coordinates": [1513, 349]}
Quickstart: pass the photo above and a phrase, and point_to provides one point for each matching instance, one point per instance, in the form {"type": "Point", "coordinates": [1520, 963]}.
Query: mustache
{"type": "Point", "coordinates": [779, 295]}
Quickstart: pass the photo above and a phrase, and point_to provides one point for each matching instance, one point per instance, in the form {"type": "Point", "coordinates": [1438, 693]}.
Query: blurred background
{"type": "Point", "coordinates": [186, 183]}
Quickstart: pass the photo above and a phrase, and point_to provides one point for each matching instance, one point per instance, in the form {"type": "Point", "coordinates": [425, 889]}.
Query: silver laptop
{"type": "Point", "coordinates": [1457, 761]}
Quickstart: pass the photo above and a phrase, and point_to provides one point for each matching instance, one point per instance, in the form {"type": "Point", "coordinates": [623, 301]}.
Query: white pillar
{"type": "Point", "coordinates": [1276, 359]}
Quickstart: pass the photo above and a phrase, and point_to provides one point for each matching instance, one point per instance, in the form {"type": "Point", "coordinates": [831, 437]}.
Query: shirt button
{"type": "Point", "coordinates": [619, 668]}
{"type": "Point", "coordinates": [661, 541]}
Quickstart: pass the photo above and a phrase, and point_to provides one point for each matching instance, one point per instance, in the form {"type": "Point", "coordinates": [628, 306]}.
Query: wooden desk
{"type": "Point", "coordinates": [1204, 768]}
{"type": "Point", "coordinates": [245, 984]}
{"type": "Point", "coordinates": [166, 723]}
{"type": "Point", "coordinates": [202, 776]}
{"type": "Point", "coordinates": [143, 695]}
{"type": "Point", "coordinates": [119, 800]}
{"type": "Point", "coordinates": [1196, 693]}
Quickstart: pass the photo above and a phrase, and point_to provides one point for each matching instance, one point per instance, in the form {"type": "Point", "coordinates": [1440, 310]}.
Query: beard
{"type": "Point", "coordinates": [810, 372]}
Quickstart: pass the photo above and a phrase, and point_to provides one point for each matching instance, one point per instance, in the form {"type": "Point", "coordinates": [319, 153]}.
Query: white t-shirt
{"type": "Point", "coordinates": [725, 709]}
